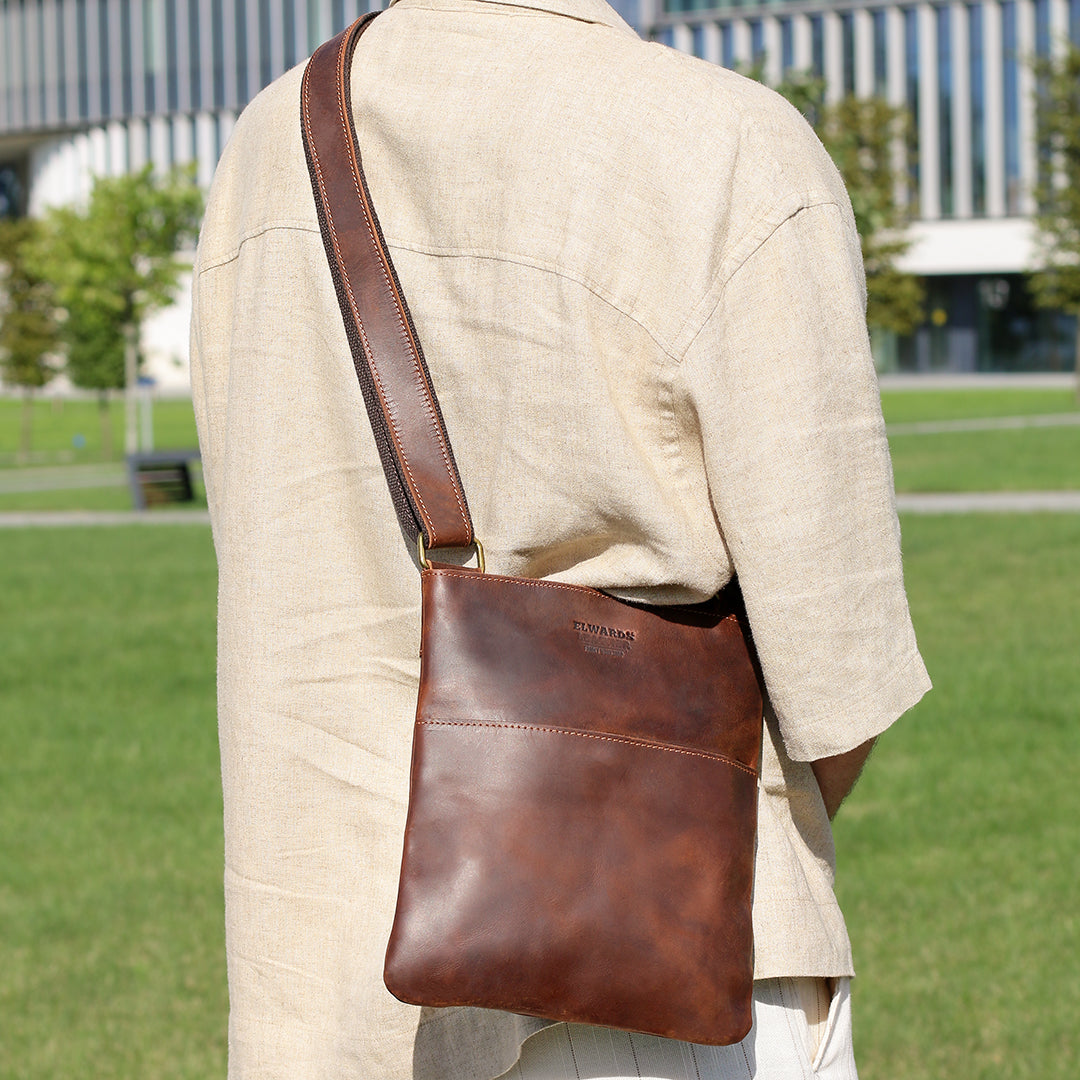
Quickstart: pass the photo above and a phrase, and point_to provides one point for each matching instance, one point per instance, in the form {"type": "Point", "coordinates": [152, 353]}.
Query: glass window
{"type": "Point", "coordinates": [911, 99]}
{"type": "Point", "coordinates": [817, 45]}
{"type": "Point", "coordinates": [1042, 27]}
{"type": "Point", "coordinates": [697, 40]}
{"type": "Point", "coordinates": [665, 35]}
{"type": "Point", "coordinates": [1011, 94]}
{"type": "Point", "coordinates": [82, 77]}
{"type": "Point", "coordinates": [727, 45]}
{"type": "Point", "coordinates": [60, 44]}
{"type": "Point", "coordinates": [104, 67]}
{"type": "Point", "coordinates": [943, 18]}
{"type": "Point", "coordinates": [1074, 22]}
{"type": "Point", "coordinates": [266, 72]}
{"type": "Point", "coordinates": [126, 86]}
{"type": "Point", "coordinates": [787, 45]}
{"type": "Point", "coordinates": [881, 54]}
{"type": "Point", "coordinates": [240, 8]}
{"type": "Point", "coordinates": [217, 50]}
{"type": "Point", "coordinates": [338, 23]}
{"type": "Point", "coordinates": [757, 42]}
{"type": "Point", "coordinates": [194, 54]}
{"type": "Point", "coordinates": [978, 109]}
{"type": "Point", "coordinates": [847, 38]}
{"type": "Point", "coordinates": [291, 52]}
{"type": "Point", "coordinates": [172, 73]}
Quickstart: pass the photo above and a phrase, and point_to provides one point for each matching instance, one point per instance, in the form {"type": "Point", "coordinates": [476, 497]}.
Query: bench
{"type": "Point", "coordinates": [161, 476]}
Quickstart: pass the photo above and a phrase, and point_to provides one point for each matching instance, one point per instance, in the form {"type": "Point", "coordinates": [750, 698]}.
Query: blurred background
{"type": "Point", "coordinates": [956, 126]}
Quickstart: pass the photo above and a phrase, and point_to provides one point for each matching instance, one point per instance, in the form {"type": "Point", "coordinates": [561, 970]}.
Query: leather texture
{"type": "Point", "coordinates": [582, 811]}
{"type": "Point", "coordinates": [583, 802]}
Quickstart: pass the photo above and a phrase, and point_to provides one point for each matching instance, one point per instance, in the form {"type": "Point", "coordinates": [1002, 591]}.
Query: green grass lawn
{"type": "Point", "coordinates": [1029, 459]}
{"type": "Point", "coordinates": [111, 924]}
{"type": "Point", "coordinates": [71, 430]}
{"type": "Point", "coordinates": [957, 851]}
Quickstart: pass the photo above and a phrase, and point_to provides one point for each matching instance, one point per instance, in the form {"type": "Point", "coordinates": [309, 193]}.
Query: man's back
{"type": "Point", "coordinates": [637, 284]}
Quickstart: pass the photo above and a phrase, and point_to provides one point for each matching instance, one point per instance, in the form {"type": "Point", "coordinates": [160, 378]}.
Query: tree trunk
{"type": "Point", "coordinates": [26, 427]}
{"type": "Point", "coordinates": [105, 415]}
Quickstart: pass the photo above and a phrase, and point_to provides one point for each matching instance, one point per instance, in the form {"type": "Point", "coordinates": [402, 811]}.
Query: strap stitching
{"type": "Point", "coordinates": [418, 376]}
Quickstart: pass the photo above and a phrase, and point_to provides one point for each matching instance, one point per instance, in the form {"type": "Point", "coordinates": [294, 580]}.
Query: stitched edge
{"type": "Point", "coordinates": [626, 740]}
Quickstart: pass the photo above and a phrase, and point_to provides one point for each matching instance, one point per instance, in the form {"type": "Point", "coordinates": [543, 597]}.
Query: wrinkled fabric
{"type": "Point", "coordinates": [638, 286]}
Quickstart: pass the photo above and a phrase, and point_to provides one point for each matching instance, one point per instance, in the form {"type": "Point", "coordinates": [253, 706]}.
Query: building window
{"type": "Point", "coordinates": [172, 73]}
{"type": "Point", "coordinates": [666, 36]}
{"type": "Point", "coordinates": [82, 76]}
{"type": "Point", "coordinates": [911, 99]}
{"type": "Point", "coordinates": [978, 109]}
{"type": "Point", "coordinates": [127, 89]}
{"type": "Point", "coordinates": [787, 45]}
{"type": "Point", "coordinates": [240, 9]}
{"type": "Point", "coordinates": [1042, 28]}
{"type": "Point", "coordinates": [338, 23]}
{"type": "Point", "coordinates": [1011, 94]}
{"type": "Point", "coordinates": [757, 43]}
{"type": "Point", "coordinates": [1074, 22]}
{"type": "Point", "coordinates": [289, 35]}
{"type": "Point", "coordinates": [881, 54]}
{"type": "Point", "coordinates": [266, 72]}
{"type": "Point", "coordinates": [60, 38]}
{"type": "Point", "coordinates": [104, 65]}
{"type": "Point", "coordinates": [153, 50]}
{"type": "Point", "coordinates": [217, 51]}
{"type": "Point", "coordinates": [847, 40]}
{"type": "Point", "coordinates": [817, 45]}
{"type": "Point", "coordinates": [194, 54]}
{"type": "Point", "coordinates": [727, 45]}
{"type": "Point", "coordinates": [943, 17]}
{"type": "Point", "coordinates": [697, 41]}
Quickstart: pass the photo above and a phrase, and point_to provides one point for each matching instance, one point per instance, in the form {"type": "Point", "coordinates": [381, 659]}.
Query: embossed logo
{"type": "Point", "coordinates": [604, 640]}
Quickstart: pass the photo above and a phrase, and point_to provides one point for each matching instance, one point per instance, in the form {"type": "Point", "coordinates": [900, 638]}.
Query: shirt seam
{"type": "Point", "coordinates": [231, 254]}
{"type": "Point", "coordinates": [725, 277]}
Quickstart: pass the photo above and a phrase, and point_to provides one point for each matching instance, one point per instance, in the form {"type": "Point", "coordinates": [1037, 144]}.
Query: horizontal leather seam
{"type": "Point", "coordinates": [627, 740]}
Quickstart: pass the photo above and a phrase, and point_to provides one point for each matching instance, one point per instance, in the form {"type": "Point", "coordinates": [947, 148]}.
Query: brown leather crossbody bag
{"type": "Point", "coordinates": [583, 800]}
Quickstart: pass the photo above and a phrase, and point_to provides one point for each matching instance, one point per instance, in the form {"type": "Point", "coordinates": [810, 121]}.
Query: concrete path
{"type": "Point", "coordinates": [988, 423]}
{"type": "Point", "coordinates": [19, 519]}
{"type": "Point", "coordinates": [62, 477]}
{"type": "Point", "coordinates": [990, 502]}
{"type": "Point", "coordinates": [982, 502]}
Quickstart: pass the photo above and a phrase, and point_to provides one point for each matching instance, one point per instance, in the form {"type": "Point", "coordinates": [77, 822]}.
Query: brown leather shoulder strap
{"type": "Point", "coordinates": [401, 402]}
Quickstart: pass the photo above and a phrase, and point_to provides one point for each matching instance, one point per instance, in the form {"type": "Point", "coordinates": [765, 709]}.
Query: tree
{"type": "Point", "coordinates": [1056, 284]}
{"type": "Point", "coordinates": [861, 135]}
{"type": "Point", "coordinates": [28, 329]}
{"type": "Point", "coordinates": [112, 263]}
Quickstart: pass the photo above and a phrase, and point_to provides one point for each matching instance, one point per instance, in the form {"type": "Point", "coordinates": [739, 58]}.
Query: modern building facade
{"type": "Point", "coordinates": [963, 70]}
{"type": "Point", "coordinates": [101, 87]}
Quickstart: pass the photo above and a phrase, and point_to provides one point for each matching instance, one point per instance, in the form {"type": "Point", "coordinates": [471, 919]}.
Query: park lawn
{"type": "Point", "coordinates": [70, 430]}
{"type": "Point", "coordinates": [911, 406]}
{"type": "Point", "coordinates": [110, 822]}
{"type": "Point", "coordinates": [1026, 459]}
{"type": "Point", "coordinates": [957, 850]}
{"type": "Point", "coordinates": [1014, 459]}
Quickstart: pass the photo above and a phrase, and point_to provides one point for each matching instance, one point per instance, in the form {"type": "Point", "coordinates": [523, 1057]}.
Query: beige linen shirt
{"type": "Point", "coordinates": [638, 285]}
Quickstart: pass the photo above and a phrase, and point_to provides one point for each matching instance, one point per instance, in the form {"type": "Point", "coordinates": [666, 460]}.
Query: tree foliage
{"type": "Point", "coordinates": [28, 328]}
{"type": "Point", "coordinates": [113, 262]}
{"type": "Point", "coordinates": [1057, 282]}
{"type": "Point", "coordinates": [861, 136]}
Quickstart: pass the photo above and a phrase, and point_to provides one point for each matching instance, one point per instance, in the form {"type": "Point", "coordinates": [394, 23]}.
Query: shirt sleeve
{"type": "Point", "coordinates": [783, 385]}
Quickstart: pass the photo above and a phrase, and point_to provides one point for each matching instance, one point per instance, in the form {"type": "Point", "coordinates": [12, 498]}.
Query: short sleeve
{"type": "Point", "coordinates": [783, 385]}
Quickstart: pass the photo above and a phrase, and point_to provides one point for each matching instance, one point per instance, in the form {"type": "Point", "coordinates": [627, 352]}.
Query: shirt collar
{"type": "Point", "coordinates": [590, 11]}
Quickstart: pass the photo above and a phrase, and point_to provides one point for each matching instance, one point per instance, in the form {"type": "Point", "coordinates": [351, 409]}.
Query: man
{"type": "Point", "coordinates": [639, 290]}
